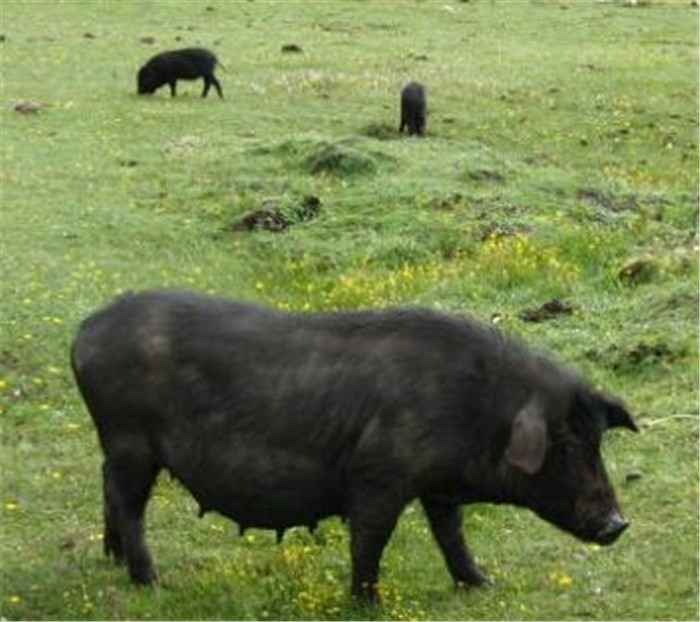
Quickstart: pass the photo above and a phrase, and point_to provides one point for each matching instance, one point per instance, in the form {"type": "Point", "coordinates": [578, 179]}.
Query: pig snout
{"type": "Point", "coordinates": [612, 529]}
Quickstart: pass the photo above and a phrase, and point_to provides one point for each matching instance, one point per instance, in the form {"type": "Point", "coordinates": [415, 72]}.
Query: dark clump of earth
{"type": "Point", "coordinates": [549, 310]}
{"type": "Point", "coordinates": [638, 271]}
{"type": "Point", "coordinates": [267, 218]}
{"type": "Point", "coordinates": [271, 217]}
{"type": "Point", "coordinates": [644, 354]}
{"type": "Point", "coordinates": [609, 201]}
{"type": "Point", "coordinates": [484, 175]}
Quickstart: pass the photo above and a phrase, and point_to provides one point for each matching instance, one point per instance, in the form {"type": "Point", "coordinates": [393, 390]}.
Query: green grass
{"type": "Point", "coordinates": [561, 149]}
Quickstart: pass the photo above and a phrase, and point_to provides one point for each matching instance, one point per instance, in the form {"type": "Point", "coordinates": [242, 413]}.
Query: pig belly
{"type": "Point", "coordinates": [263, 487]}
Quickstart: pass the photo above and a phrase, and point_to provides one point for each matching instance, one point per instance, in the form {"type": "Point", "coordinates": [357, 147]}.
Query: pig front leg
{"type": "Point", "coordinates": [445, 521]}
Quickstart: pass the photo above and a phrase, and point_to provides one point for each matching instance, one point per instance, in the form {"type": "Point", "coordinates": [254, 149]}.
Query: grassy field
{"type": "Point", "coordinates": [561, 163]}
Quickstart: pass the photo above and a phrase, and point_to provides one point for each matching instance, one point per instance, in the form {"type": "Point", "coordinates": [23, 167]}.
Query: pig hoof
{"type": "Point", "coordinates": [146, 577]}
{"type": "Point", "coordinates": [367, 593]}
{"type": "Point", "coordinates": [478, 579]}
{"type": "Point", "coordinates": [113, 548]}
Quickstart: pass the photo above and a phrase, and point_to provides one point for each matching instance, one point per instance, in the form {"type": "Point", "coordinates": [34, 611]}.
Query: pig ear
{"type": "Point", "coordinates": [617, 416]}
{"type": "Point", "coordinates": [528, 438]}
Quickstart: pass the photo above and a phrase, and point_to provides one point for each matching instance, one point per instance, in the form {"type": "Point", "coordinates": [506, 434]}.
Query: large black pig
{"type": "Point", "coordinates": [414, 109]}
{"type": "Point", "coordinates": [277, 420]}
{"type": "Point", "coordinates": [185, 64]}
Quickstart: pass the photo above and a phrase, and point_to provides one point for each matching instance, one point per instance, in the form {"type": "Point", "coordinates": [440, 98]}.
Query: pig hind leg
{"type": "Point", "coordinates": [209, 79]}
{"type": "Point", "coordinates": [129, 475]}
{"type": "Point", "coordinates": [445, 521]}
{"type": "Point", "coordinates": [112, 538]}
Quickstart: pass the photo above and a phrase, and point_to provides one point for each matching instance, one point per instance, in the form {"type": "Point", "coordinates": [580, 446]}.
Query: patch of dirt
{"type": "Point", "coordinates": [307, 209]}
{"type": "Point", "coordinates": [497, 230]}
{"type": "Point", "coordinates": [643, 354]}
{"type": "Point", "coordinates": [638, 271]}
{"type": "Point", "coordinates": [484, 175]}
{"type": "Point", "coordinates": [627, 202]}
{"type": "Point", "coordinates": [548, 311]}
{"type": "Point", "coordinates": [271, 217]}
{"type": "Point", "coordinates": [447, 202]}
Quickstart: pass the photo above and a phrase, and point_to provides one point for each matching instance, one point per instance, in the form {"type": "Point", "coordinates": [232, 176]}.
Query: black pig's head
{"type": "Point", "coordinates": [147, 81]}
{"type": "Point", "coordinates": [557, 467]}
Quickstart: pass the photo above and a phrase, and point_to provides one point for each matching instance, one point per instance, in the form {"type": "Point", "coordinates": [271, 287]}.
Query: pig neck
{"type": "Point", "coordinates": [490, 483]}
{"type": "Point", "coordinates": [486, 474]}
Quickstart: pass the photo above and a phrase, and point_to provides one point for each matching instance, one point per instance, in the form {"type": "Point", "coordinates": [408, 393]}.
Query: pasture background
{"type": "Point", "coordinates": [561, 162]}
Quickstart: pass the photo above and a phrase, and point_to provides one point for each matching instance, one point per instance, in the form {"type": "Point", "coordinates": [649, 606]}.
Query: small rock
{"type": "Point", "coordinates": [486, 175]}
{"type": "Point", "coordinates": [88, 35]}
{"type": "Point", "coordinates": [148, 40]}
{"type": "Point", "coordinates": [28, 107]}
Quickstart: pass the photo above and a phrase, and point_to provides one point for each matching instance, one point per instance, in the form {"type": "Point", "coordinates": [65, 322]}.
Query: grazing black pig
{"type": "Point", "coordinates": [277, 420]}
{"type": "Point", "coordinates": [185, 64]}
{"type": "Point", "coordinates": [413, 109]}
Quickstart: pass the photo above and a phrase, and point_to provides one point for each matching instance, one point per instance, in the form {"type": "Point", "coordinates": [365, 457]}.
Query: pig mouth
{"type": "Point", "coordinates": [607, 530]}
